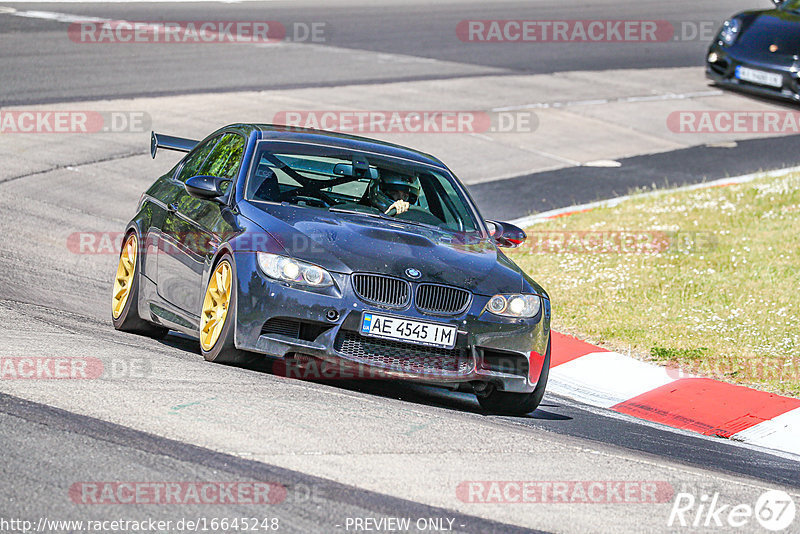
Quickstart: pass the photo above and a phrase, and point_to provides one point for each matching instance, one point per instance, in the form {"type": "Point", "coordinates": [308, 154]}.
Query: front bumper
{"type": "Point", "coordinates": [290, 323]}
{"type": "Point", "coordinates": [723, 72]}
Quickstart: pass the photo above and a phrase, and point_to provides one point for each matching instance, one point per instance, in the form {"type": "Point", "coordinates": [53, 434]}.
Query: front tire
{"type": "Point", "coordinates": [218, 316]}
{"type": "Point", "coordinates": [125, 297]}
{"type": "Point", "coordinates": [505, 403]}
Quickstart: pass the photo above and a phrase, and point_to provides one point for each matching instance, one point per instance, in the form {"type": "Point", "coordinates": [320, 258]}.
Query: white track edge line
{"type": "Point", "coordinates": [610, 203]}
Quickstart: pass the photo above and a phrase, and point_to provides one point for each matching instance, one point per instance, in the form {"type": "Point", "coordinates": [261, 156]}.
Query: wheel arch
{"type": "Point", "coordinates": [223, 249]}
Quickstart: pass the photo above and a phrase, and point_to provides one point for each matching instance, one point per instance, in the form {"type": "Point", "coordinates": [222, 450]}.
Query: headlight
{"type": "Point", "coordinates": [290, 270]}
{"type": "Point", "coordinates": [730, 31]}
{"type": "Point", "coordinates": [514, 305]}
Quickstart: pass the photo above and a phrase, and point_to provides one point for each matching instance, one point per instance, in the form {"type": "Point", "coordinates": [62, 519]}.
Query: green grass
{"type": "Point", "coordinates": [708, 280]}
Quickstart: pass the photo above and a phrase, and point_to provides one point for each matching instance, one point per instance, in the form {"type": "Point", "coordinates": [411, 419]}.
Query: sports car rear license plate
{"type": "Point", "coordinates": [400, 329]}
{"type": "Point", "coordinates": [759, 76]}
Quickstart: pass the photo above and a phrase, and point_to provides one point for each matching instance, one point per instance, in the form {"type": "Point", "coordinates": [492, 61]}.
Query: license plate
{"type": "Point", "coordinates": [759, 76]}
{"type": "Point", "coordinates": [400, 329]}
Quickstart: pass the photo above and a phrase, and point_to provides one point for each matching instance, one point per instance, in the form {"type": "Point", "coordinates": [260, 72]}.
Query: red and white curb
{"type": "Point", "coordinates": [598, 377]}
{"type": "Point", "coordinates": [606, 379]}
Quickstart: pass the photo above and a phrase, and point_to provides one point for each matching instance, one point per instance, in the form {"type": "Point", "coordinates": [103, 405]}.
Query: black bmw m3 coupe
{"type": "Point", "coordinates": [310, 246]}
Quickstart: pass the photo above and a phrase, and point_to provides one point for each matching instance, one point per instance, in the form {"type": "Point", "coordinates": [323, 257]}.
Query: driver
{"type": "Point", "coordinates": [393, 191]}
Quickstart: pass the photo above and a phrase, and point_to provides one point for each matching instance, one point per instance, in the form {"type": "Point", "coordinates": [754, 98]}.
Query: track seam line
{"type": "Point", "coordinates": [620, 100]}
{"type": "Point", "coordinates": [73, 165]}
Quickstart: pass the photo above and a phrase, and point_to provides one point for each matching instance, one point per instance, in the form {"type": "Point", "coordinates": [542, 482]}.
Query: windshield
{"type": "Point", "coordinates": [324, 178]}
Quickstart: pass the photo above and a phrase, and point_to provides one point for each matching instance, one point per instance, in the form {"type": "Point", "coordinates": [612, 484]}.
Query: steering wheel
{"type": "Point", "coordinates": [313, 201]}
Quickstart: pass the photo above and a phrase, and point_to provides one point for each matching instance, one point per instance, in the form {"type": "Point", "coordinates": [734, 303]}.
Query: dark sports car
{"type": "Point", "coordinates": [759, 52]}
{"type": "Point", "coordinates": [314, 247]}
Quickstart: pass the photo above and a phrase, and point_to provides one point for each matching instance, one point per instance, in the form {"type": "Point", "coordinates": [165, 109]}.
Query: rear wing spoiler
{"type": "Point", "coordinates": [168, 142]}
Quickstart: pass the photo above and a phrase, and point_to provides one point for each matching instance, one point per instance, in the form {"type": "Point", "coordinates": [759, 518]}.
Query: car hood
{"type": "Point", "coordinates": [763, 29]}
{"type": "Point", "coordinates": [346, 243]}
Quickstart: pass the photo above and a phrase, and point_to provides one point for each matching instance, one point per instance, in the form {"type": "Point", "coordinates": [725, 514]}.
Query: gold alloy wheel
{"type": "Point", "coordinates": [215, 305]}
{"type": "Point", "coordinates": [123, 282]}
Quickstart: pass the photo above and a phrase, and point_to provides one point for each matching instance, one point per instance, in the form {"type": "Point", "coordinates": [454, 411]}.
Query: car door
{"type": "Point", "coordinates": [188, 235]}
{"type": "Point", "coordinates": [170, 280]}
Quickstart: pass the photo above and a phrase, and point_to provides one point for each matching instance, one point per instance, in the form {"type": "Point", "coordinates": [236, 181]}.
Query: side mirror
{"type": "Point", "coordinates": [205, 187]}
{"type": "Point", "coordinates": [506, 235]}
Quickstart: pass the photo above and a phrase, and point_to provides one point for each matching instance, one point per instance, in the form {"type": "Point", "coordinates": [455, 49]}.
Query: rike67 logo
{"type": "Point", "coordinates": [774, 510]}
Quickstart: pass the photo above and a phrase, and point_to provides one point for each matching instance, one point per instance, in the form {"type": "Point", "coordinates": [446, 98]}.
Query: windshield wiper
{"type": "Point", "coordinates": [405, 221]}
{"type": "Point", "coordinates": [357, 212]}
{"type": "Point", "coordinates": [413, 223]}
{"type": "Point", "coordinates": [387, 218]}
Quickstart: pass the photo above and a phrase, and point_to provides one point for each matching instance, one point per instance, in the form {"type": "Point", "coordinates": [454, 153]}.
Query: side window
{"type": "Point", "coordinates": [268, 181]}
{"type": "Point", "coordinates": [422, 201]}
{"type": "Point", "coordinates": [226, 157]}
{"type": "Point", "coordinates": [453, 210]}
{"type": "Point", "coordinates": [195, 160]}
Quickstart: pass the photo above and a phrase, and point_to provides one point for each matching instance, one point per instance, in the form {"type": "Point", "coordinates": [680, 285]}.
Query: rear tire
{"type": "Point", "coordinates": [125, 297]}
{"type": "Point", "coordinates": [219, 347]}
{"type": "Point", "coordinates": [505, 403]}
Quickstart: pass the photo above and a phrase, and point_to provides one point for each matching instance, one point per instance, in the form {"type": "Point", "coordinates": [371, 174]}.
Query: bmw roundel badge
{"type": "Point", "coordinates": [413, 273]}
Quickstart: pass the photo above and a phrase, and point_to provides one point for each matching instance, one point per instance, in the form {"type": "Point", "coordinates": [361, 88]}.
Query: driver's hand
{"type": "Point", "coordinates": [401, 206]}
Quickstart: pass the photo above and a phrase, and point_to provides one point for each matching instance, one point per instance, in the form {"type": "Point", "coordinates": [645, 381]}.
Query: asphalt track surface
{"type": "Point", "coordinates": [118, 430]}
{"type": "Point", "coordinates": [37, 67]}
{"type": "Point", "coordinates": [518, 196]}
{"type": "Point", "coordinates": [100, 448]}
